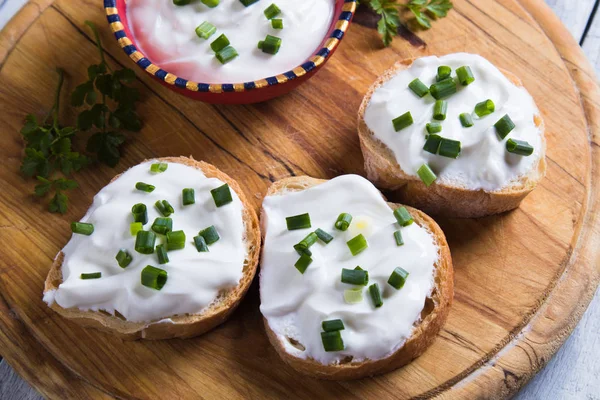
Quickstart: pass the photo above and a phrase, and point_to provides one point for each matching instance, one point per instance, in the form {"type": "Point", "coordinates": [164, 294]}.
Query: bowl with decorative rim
{"type": "Point", "coordinates": [240, 92]}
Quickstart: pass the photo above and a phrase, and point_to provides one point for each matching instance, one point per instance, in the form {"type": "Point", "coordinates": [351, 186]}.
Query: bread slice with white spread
{"type": "Point", "coordinates": [111, 277]}
{"type": "Point", "coordinates": [484, 178]}
{"type": "Point", "coordinates": [367, 294]}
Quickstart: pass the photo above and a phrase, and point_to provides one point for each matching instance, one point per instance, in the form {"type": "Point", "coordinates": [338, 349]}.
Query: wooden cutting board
{"type": "Point", "coordinates": [523, 278]}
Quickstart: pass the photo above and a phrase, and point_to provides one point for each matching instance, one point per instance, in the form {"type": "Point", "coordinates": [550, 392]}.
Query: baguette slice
{"type": "Point", "coordinates": [183, 326]}
{"type": "Point", "coordinates": [433, 316]}
{"type": "Point", "coordinates": [439, 199]}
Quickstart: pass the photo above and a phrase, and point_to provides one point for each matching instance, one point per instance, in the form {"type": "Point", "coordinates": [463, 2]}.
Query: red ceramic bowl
{"type": "Point", "coordinates": [233, 93]}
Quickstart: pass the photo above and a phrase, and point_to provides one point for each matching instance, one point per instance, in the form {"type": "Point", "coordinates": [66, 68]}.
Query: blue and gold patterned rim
{"type": "Point", "coordinates": [319, 58]}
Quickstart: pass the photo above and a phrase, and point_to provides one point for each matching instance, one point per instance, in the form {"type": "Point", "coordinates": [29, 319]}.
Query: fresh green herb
{"type": "Point", "coordinates": [425, 10]}
{"type": "Point", "coordinates": [390, 20]}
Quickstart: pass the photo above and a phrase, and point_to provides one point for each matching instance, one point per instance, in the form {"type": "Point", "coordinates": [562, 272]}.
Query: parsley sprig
{"type": "Point", "coordinates": [424, 9]}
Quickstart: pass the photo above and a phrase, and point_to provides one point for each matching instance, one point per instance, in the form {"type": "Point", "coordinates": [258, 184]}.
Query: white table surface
{"type": "Point", "coordinates": [574, 372]}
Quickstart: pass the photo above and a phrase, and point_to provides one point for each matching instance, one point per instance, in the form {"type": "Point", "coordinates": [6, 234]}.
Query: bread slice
{"type": "Point", "coordinates": [183, 326]}
{"type": "Point", "coordinates": [439, 199]}
{"type": "Point", "coordinates": [433, 316]}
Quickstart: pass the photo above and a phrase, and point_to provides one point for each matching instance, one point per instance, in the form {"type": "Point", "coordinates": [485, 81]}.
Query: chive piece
{"type": "Point", "coordinates": [433, 127]}
{"type": "Point", "coordinates": [358, 268]}
{"type": "Point", "coordinates": [399, 239]}
{"type": "Point", "coordinates": [92, 275]}
{"type": "Point", "coordinates": [175, 240]}
{"type": "Point", "coordinates": [432, 144]}
{"type": "Point", "coordinates": [466, 120]}
{"type": "Point", "coordinates": [159, 167]}
{"type": "Point", "coordinates": [140, 213]}
{"type": "Point", "coordinates": [210, 234]}
{"type": "Point", "coordinates": [375, 295]}
{"type": "Point", "coordinates": [302, 250]}
{"type": "Point", "coordinates": [164, 207]}
{"type": "Point", "coordinates": [200, 243]}
{"type": "Point", "coordinates": [485, 108]}
{"type": "Point", "coordinates": [260, 45]}
{"type": "Point", "coordinates": [303, 262]}
{"type": "Point", "coordinates": [162, 225]}
{"type": "Point", "coordinates": [295, 222]}
{"type": "Point", "coordinates": [154, 278]}
{"type": "Point", "coordinates": [426, 175]}
{"type": "Point", "coordinates": [504, 126]}
{"type": "Point", "coordinates": [205, 30]}
{"type": "Point", "coordinates": [402, 121]}
{"type": "Point", "coordinates": [161, 252]}
{"type": "Point", "coordinates": [144, 187]}
{"type": "Point", "coordinates": [144, 242]}
{"type": "Point", "coordinates": [188, 196]}
{"type": "Point", "coordinates": [82, 228]}
{"type": "Point", "coordinates": [403, 216]}
{"type": "Point", "coordinates": [465, 75]}
{"type": "Point", "coordinates": [324, 236]}
{"type": "Point", "coordinates": [135, 227]}
{"type": "Point", "coordinates": [519, 147]}
{"type": "Point", "coordinates": [270, 45]}
{"type": "Point", "coordinates": [332, 341]}
{"type": "Point", "coordinates": [220, 43]}
{"type": "Point", "coordinates": [398, 278]}
{"type": "Point", "coordinates": [357, 244]}
{"type": "Point", "coordinates": [226, 55]}
{"type": "Point", "coordinates": [248, 2]}
{"type": "Point", "coordinates": [272, 11]}
{"type": "Point", "coordinates": [123, 258]}
{"type": "Point", "coordinates": [305, 243]}
{"type": "Point", "coordinates": [343, 221]}
{"type": "Point", "coordinates": [449, 148]}
{"type": "Point", "coordinates": [439, 110]}
{"type": "Point", "coordinates": [353, 296]}
{"type": "Point", "coordinates": [332, 325]}
{"type": "Point", "coordinates": [181, 2]}
{"type": "Point", "coordinates": [277, 23]}
{"type": "Point", "coordinates": [211, 3]}
{"type": "Point", "coordinates": [221, 195]}
{"type": "Point", "coordinates": [355, 276]}
{"type": "Point", "coordinates": [443, 89]}
{"type": "Point", "coordinates": [443, 72]}
{"type": "Point", "coordinates": [418, 87]}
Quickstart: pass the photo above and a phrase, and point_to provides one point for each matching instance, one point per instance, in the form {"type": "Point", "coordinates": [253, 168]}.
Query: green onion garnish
{"type": "Point", "coordinates": [466, 120]}
{"type": "Point", "coordinates": [485, 108]}
{"type": "Point", "coordinates": [123, 258]}
{"type": "Point", "coordinates": [439, 110]}
{"type": "Point", "coordinates": [248, 2]}
{"type": "Point", "coordinates": [211, 3]}
{"type": "Point", "coordinates": [418, 87]}
{"type": "Point", "coordinates": [140, 213]}
{"type": "Point", "coordinates": [226, 55]}
{"type": "Point", "coordinates": [272, 11]}
{"type": "Point", "coordinates": [188, 196]}
{"type": "Point", "coordinates": [303, 262]}
{"type": "Point", "coordinates": [220, 43]}
{"type": "Point", "coordinates": [135, 227]}
{"type": "Point", "coordinates": [144, 242]}
{"type": "Point", "coordinates": [443, 89]}
{"type": "Point", "coordinates": [144, 187]}
{"type": "Point", "coordinates": [403, 216]}
{"type": "Point", "coordinates": [154, 278]}
{"type": "Point", "coordinates": [302, 250]}
{"type": "Point", "coordinates": [343, 221]}
{"type": "Point", "coordinates": [332, 325]}
{"type": "Point", "coordinates": [375, 295]}
{"type": "Point", "coordinates": [159, 167]}
{"type": "Point", "coordinates": [301, 221]}
{"type": "Point", "coordinates": [221, 195]}
{"type": "Point", "coordinates": [164, 207]}
{"type": "Point", "coordinates": [305, 243]}
{"type": "Point", "coordinates": [324, 236]}
{"type": "Point", "coordinates": [270, 45]}
{"type": "Point", "coordinates": [277, 23]}
{"type": "Point", "coordinates": [399, 239]}
{"type": "Point", "coordinates": [519, 147]}
{"type": "Point", "coordinates": [357, 244]}
{"type": "Point", "coordinates": [162, 225]}
{"type": "Point", "coordinates": [465, 75]}
{"type": "Point", "coordinates": [504, 126]}
{"type": "Point", "coordinates": [175, 240]}
{"type": "Point", "coordinates": [161, 252]}
{"type": "Point", "coordinates": [353, 296]}
{"type": "Point", "coordinates": [205, 30]}
{"type": "Point", "coordinates": [432, 144]}
{"type": "Point", "coordinates": [200, 244]}
{"type": "Point", "coordinates": [398, 278]}
{"type": "Point", "coordinates": [210, 234]}
{"type": "Point", "coordinates": [92, 275]}
{"type": "Point", "coordinates": [355, 276]}
{"type": "Point", "coordinates": [82, 228]}
{"type": "Point", "coordinates": [181, 2]}
{"type": "Point", "coordinates": [433, 127]}
{"type": "Point", "coordinates": [332, 341]}
{"type": "Point", "coordinates": [443, 72]}
{"type": "Point", "coordinates": [402, 121]}
{"type": "Point", "coordinates": [426, 175]}
{"type": "Point", "coordinates": [449, 148]}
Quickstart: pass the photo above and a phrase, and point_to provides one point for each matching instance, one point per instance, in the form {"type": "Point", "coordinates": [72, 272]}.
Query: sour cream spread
{"type": "Point", "coordinates": [296, 304]}
{"type": "Point", "coordinates": [165, 33]}
{"type": "Point", "coordinates": [194, 279]}
{"type": "Point", "coordinates": [483, 162]}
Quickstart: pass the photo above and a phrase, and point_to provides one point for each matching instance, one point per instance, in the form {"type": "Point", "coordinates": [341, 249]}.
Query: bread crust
{"type": "Point", "coordinates": [439, 199]}
{"type": "Point", "coordinates": [183, 326]}
{"type": "Point", "coordinates": [433, 316]}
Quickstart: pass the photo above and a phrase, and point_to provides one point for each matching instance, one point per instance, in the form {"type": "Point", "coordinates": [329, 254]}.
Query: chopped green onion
{"type": "Point", "coordinates": [305, 243]}
{"type": "Point", "coordinates": [324, 236]}
{"type": "Point", "coordinates": [188, 196]}
{"type": "Point", "coordinates": [220, 43]}
{"type": "Point", "coordinates": [332, 325]}
{"type": "Point", "coordinates": [466, 120]}
{"type": "Point", "coordinates": [205, 30]}
{"type": "Point", "coordinates": [343, 221]}
{"type": "Point", "coordinates": [432, 144]}
{"type": "Point", "coordinates": [504, 126]}
{"type": "Point", "coordinates": [418, 87]}
{"type": "Point", "coordinates": [332, 341]}
{"type": "Point", "coordinates": [175, 240]}
{"type": "Point", "coordinates": [211, 3]}
{"type": "Point", "coordinates": [82, 228]}
{"type": "Point", "coordinates": [123, 258]}
{"type": "Point", "coordinates": [162, 225]}
{"type": "Point", "coordinates": [144, 187]}
{"type": "Point", "coordinates": [92, 275]}
{"type": "Point", "coordinates": [303, 262]}
{"type": "Point", "coordinates": [301, 250]}
{"type": "Point", "coordinates": [200, 243]}
{"type": "Point", "coordinates": [248, 2]}
{"type": "Point", "coordinates": [519, 147]}
{"type": "Point", "coordinates": [433, 127]}
{"type": "Point", "coordinates": [358, 268]}
{"type": "Point", "coordinates": [402, 121]}
{"type": "Point", "coordinates": [353, 296]}
{"type": "Point", "coordinates": [375, 295]}
{"type": "Point", "coordinates": [154, 278]}
{"type": "Point", "coordinates": [443, 72]}
{"type": "Point", "coordinates": [140, 213]}
{"type": "Point", "coordinates": [301, 221]}
{"type": "Point", "coordinates": [443, 89]}
{"type": "Point", "coordinates": [449, 148]}
{"type": "Point", "coordinates": [403, 216]}
{"type": "Point", "coordinates": [485, 108]}
{"type": "Point", "coordinates": [439, 110]}
{"type": "Point", "coordinates": [357, 244]}
{"type": "Point", "coordinates": [277, 23]}
{"type": "Point", "coordinates": [159, 167]}
{"type": "Point", "coordinates": [272, 11]}
{"type": "Point", "coordinates": [210, 234]}
{"type": "Point", "coordinates": [164, 207]}
{"type": "Point", "coordinates": [399, 239]}
{"type": "Point", "coordinates": [426, 175]}
{"type": "Point", "coordinates": [398, 278]}
{"type": "Point", "coordinates": [465, 75]}
{"type": "Point", "coordinates": [270, 45]}
{"type": "Point", "coordinates": [226, 55]}
{"type": "Point", "coordinates": [161, 252]}
{"type": "Point", "coordinates": [144, 242]}
{"type": "Point", "coordinates": [181, 2]}
{"type": "Point", "coordinates": [355, 276]}
{"type": "Point", "coordinates": [221, 195]}
{"type": "Point", "coordinates": [135, 227]}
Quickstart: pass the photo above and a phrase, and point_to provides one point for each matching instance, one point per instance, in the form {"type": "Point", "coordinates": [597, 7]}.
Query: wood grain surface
{"type": "Point", "coordinates": [522, 279]}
